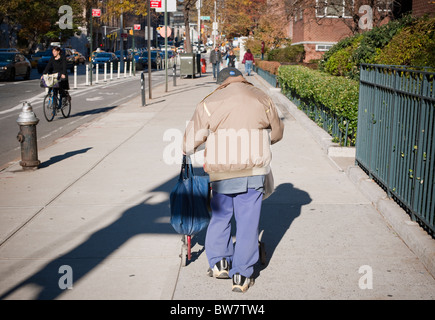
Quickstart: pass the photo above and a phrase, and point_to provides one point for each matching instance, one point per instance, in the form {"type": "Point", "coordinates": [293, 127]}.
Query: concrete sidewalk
{"type": "Point", "coordinates": [98, 208]}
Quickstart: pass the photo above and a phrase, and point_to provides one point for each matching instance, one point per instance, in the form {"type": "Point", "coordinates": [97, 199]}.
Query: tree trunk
{"type": "Point", "coordinates": [187, 44]}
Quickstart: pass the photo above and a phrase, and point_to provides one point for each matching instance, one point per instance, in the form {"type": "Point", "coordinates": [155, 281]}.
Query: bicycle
{"type": "Point", "coordinates": [53, 104]}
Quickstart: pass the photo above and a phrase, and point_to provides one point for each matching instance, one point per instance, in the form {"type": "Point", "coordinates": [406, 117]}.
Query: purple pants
{"type": "Point", "coordinates": [246, 208]}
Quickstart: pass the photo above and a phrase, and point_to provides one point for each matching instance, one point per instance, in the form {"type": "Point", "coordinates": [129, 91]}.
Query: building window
{"type": "Point", "coordinates": [334, 8]}
{"type": "Point", "coordinates": [299, 15]}
{"type": "Point", "coordinates": [385, 6]}
{"type": "Point", "coordinates": [323, 47]}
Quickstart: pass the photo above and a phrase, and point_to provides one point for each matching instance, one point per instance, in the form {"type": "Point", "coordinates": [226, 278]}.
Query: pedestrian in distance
{"type": "Point", "coordinates": [231, 59]}
{"type": "Point", "coordinates": [262, 49]}
{"type": "Point", "coordinates": [216, 61]}
{"type": "Point", "coordinates": [248, 61]}
{"type": "Point", "coordinates": [237, 122]}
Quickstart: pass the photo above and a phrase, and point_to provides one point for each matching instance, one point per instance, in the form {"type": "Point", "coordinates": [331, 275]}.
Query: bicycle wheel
{"type": "Point", "coordinates": [66, 107]}
{"type": "Point", "coordinates": [49, 107]}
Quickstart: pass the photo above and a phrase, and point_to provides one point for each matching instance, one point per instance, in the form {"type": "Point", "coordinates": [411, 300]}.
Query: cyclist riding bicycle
{"type": "Point", "coordinates": [57, 64]}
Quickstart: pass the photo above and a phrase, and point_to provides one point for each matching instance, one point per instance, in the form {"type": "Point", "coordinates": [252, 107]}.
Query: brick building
{"type": "Point", "coordinates": [422, 7]}
{"type": "Point", "coordinates": [319, 24]}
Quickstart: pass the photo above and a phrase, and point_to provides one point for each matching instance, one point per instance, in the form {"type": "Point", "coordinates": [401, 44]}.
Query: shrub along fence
{"type": "Point", "coordinates": [332, 102]}
{"type": "Point", "coordinates": [396, 136]}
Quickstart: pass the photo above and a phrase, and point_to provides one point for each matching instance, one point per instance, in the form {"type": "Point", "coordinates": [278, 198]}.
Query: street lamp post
{"type": "Point", "coordinates": [149, 46]}
{"type": "Point", "coordinates": [90, 46]}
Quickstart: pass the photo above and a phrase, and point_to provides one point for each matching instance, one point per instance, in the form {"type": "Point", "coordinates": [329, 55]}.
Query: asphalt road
{"type": "Point", "coordinates": [87, 103]}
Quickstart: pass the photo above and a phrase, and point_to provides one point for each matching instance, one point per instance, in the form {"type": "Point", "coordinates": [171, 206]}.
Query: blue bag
{"type": "Point", "coordinates": [189, 201]}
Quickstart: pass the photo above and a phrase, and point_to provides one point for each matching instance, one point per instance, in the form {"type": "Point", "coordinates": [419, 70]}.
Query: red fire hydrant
{"type": "Point", "coordinates": [203, 65]}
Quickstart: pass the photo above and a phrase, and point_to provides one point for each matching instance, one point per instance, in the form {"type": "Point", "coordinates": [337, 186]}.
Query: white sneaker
{"type": "Point", "coordinates": [220, 270]}
{"type": "Point", "coordinates": [242, 283]}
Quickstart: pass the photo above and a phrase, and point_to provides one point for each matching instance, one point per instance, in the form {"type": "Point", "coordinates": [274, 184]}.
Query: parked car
{"type": "Point", "coordinates": [127, 55]}
{"type": "Point", "coordinates": [14, 64]}
{"type": "Point", "coordinates": [8, 50]}
{"type": "Point", "coordinates": [102, 58]}
{"type": "Point", "coordinates": [43, 61]}
{"type": "Point", "coordinates": [35, 58]}
{"type": "Point", "coordinates": [142, 59]}
{"type": "Point", "coordinates": [79, 58]}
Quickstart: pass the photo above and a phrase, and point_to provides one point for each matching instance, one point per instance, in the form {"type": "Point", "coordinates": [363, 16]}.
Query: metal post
{"type": "Point", "coordinates": [75, 77]}
{"type": "Point", "coordinates": [90, 43]}
{"type": "Point", "coordinates": [166, 45]}
{"type": "Point", "coordinates": [121, 30]}
{"type": "Point", "coordinates": [133, 61]}
{"type": "Point", "coordinates": [119, 69]}
{"type": "Point", "coordinates": [149, 48]}
{"type": "Point", "coordinates": [87, 74]}
{"type": "Point", "coordinates": [96, 73]}
{"type": "Point", "coordinates": [129, 72]}
{"type": "Point", "coordinates": [142, 87]}
{"type": "Point", "coordinates": [105, 72]}
{"type": "Point", "coordinates": [111, 71]}
{"type": "Point", "coordinates": [174, 74]}
{"type": "Point", "coordinates": [125, 69]}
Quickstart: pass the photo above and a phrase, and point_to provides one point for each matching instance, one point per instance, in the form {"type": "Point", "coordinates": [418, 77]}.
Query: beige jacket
{"type": "Point", "coordinates": [238, 122]}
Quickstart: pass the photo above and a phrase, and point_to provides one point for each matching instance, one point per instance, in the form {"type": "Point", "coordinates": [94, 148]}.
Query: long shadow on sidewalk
{"type": "Point", "coordinates": [66, 155]}
{"type": "Point", "coordinates": [144, 218]}
{"type": "Point", "coordinates": [278, 213]}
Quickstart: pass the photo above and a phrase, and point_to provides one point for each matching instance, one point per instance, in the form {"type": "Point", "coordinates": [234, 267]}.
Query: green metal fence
{"type": "Point", "coordinates": [270, 78]}
{"type": "Point", "coordinates": [396, 136]}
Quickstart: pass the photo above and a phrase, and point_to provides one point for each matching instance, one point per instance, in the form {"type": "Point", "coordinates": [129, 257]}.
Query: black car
{"type": "Point", "coordinates": [13, 64]}
{"type": "Point", "coordinates": [142, 59]}
{"type": "Point", "coordinates": [43, 61]}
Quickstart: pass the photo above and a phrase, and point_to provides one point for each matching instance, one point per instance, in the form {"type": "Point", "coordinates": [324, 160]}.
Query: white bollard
{"type": "Point", "coordinates": [87, 74]}
{"type": "Point", "coordinates": [131, 65]}
{"type": "Point", "coordinates": [75, 77]}
{"type": "Point", "coordinates": [125, 69]}
{"type": "Point", "coordinates": [119, 69]}
{"type": "Point", "coordinates": [96, 73]}
{"type": "Point", "coordinates": [111, 71]}
{"type": "Point", "coordinates": [105, 72]}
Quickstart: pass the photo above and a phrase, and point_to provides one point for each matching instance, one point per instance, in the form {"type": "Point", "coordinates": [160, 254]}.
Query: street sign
{"type": "Point", "coordinates": [171, 6]}
{"type": "Point", "coordinates": [96, 12]}
{"type": "Point", "coordinates": [162, 32]}
{"type": "Point", "coordinates": [205, 17]}
{"type": "Point", "coordinates": [136, 27]}
{"type": "Point", "coordinates": [156, 3]}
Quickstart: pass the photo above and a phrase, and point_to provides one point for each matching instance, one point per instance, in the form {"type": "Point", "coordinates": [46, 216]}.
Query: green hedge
{"type": "Point", "coordinates": [345, 58]}
{"type": "Point", "coordinates": [287, 54]}
{"type": "Point", "coordinates": [337, 95]}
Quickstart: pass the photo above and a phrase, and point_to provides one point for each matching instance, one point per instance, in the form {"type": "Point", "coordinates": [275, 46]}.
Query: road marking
{"type": "Point", "coordinates": [94, 99]}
